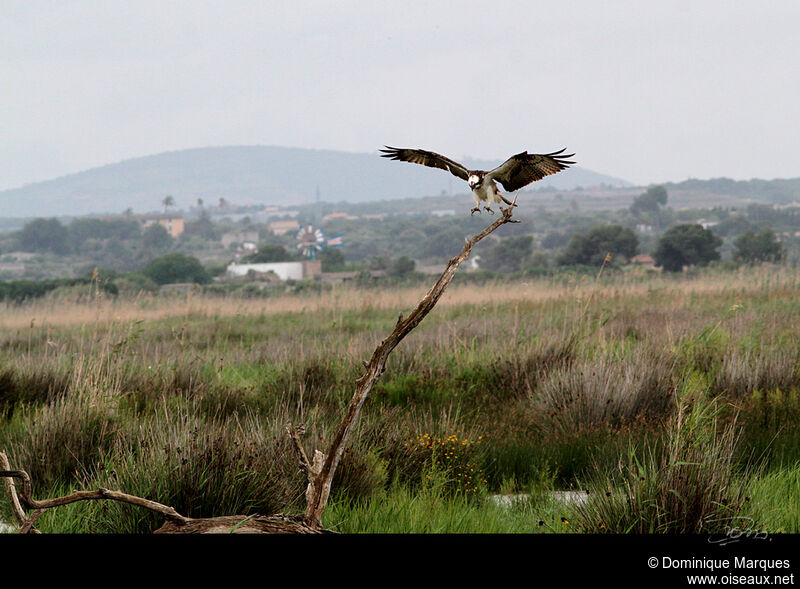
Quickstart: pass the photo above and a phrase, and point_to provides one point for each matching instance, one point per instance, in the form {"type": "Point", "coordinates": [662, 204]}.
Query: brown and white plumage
{"type": "Point", "coordinates": [522, 169]}
{"type": "Point", "coordinates": [426, 158]}
{"type": "Point", "coordinates": [516, 172]}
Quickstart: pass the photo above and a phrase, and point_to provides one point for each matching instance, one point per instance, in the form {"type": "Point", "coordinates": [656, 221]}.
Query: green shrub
{"type": "Point", "coordinates": [176, 268]}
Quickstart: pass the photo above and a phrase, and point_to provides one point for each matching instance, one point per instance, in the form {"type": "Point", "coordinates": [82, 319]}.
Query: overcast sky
{"type": "Point", "coordinates": [642, 91]}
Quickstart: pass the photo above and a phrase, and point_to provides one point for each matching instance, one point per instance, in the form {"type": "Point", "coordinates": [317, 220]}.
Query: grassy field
{"type": "Point", "coordinates": [672, 400]}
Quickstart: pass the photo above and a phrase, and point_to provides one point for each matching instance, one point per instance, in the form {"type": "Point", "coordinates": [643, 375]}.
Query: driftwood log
{"type": "Point", "coordinates": [319, 471]}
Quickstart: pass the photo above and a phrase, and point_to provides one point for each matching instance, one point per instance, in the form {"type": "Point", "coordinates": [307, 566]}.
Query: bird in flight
{"type": "Point", "coordinates": [514, 173]}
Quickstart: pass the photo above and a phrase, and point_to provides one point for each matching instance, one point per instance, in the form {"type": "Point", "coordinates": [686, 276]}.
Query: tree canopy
{"type": "Point", "coordinates": [269, 253]}
{"type": "Point", "coordinates": [751, 247]}
{"type": "Point", "coordinates": [42, 235]}
{"type": "Point", "coordinates": [332, 260]}
{"type": "Point", "coordinates": [168, 201]}
{"type": "Point", "coordinates": [203, 227]}
{"type": "Point", "coordinates": [650, 200]}
{"type": "Point", "coordinates": [401, 266]}
{"type": "Point", "coordinates": [507, 255]}
{"type": "Point", "coordinates": [156, 239]}
{"type": "Point", "coordinates": [591, 248]}
{"type": "Point", "coordinates": [83, 229]}
{"type": "Point", "coordinates": [686, 245]}
{"type": "Point", "coordinates": [176, 267]}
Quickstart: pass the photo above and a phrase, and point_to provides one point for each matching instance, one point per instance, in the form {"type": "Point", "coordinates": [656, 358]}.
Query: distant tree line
{"type": "Point", "coordinates": [570, 239]}
{"type": "Point", "coordinates": [120, 244]}
{"type": "Point", "coordinates": [18, 291]}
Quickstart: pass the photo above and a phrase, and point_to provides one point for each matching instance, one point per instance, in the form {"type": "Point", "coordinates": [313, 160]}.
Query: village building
{"type": "Point", "coordinates": [306, 269]}
{"type": "Point", "coordinates": [333, 216]}
{"type": "Point", "coordinates": [644, 261]}
{"type": "Point", "coordinates": [172, 222]}
{"type": "Point", "coordinates": [284, 226]}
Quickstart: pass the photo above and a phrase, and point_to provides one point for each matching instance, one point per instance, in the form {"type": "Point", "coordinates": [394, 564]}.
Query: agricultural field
{"type": "Point", "coordinates": [669, 402]}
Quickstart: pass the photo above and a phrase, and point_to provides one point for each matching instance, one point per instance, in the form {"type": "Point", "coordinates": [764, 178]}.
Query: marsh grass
{"type": "Point", "coordinates": [775, 502]}
{"type": "Point", "coordinates": [743, 373]}
{"type": "Point", "coordinates": [561, 376]}
{"type": "Point", "coordinates": [29, 384]}
{"type": "Point", "coordinates": [688, 484]}
{"type": "Point", "coordinates": [770, 424]}
{"type": "Point", "coordinates": [524, 456]}
{"type": "Point", "coordinates": [202, 467]}
{"type": "Point", "coordinates": [614, 389]}
{"type": "Point", "coordinates": [431, 508]}
{"type": "Point", "coordinates": [199, 466]}
{"type": "Point", "coordinates": [60, 442]}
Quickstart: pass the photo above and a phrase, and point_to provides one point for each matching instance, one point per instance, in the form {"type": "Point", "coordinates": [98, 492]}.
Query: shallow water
{"type": "Point", "coordinates": [567, 497]}
{"type": "Point", "coordinates": [7, 528]}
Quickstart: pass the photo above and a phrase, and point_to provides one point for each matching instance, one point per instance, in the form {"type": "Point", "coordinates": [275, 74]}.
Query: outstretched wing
{"type": "Point", "coordinates": [522, 169]}
{"type": "Point", "coordinates": [426, 158]}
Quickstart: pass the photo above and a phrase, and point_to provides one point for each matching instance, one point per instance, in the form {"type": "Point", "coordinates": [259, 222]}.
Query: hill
{"type": "Point", "coordinates": [249, 175]}
{"type": "Point", "coordinates": [778, 191]}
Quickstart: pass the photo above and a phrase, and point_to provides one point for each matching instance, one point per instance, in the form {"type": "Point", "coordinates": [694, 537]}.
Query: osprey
{"type": "Point", "coordinates": [514, 173]}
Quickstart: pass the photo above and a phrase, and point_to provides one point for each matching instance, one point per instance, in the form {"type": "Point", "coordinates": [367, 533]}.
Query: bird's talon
{"type": "Point", "coordinates": [475, 210]}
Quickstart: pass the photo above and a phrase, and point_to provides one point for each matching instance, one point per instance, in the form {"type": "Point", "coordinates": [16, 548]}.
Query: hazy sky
{"type": "Point", "coordinates": [643, 91]}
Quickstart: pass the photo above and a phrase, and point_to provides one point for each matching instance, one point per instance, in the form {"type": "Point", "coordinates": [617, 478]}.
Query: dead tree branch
{"type": "Point", "coordinates": [320, 480]}
{"type": "Point", "coordinates": [11, 491]}
{"type": "Point", "coordinates": [175, 522]}
{"type": "Point", "coordinates": [27, 522]}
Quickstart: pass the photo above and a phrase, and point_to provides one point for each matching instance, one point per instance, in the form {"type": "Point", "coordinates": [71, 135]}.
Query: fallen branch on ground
{"type": "Point", "coordinates": [176, 523]}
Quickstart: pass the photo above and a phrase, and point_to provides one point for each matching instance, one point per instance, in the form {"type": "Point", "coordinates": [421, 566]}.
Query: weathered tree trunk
{"type": "Point", "coordinates": [320, 472]}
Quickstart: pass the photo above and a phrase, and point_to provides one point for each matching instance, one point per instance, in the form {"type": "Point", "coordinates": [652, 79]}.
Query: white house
{"type": "Point", "coordinates": [284, 270]}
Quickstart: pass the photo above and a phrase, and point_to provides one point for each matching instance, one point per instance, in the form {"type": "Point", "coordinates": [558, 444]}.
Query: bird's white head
{"type": "Point", "coordinates": [474, 180]}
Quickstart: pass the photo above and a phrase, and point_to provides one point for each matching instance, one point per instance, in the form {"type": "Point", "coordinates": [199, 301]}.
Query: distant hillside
{"type": "Point", "coordinates": [779, 191]}
{"type": "Point", "coordinates": [249, 175]}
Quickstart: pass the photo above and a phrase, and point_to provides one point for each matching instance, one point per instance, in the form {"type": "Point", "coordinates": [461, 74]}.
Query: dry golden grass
{"type": "Point", "coordinates": [675, 292]}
